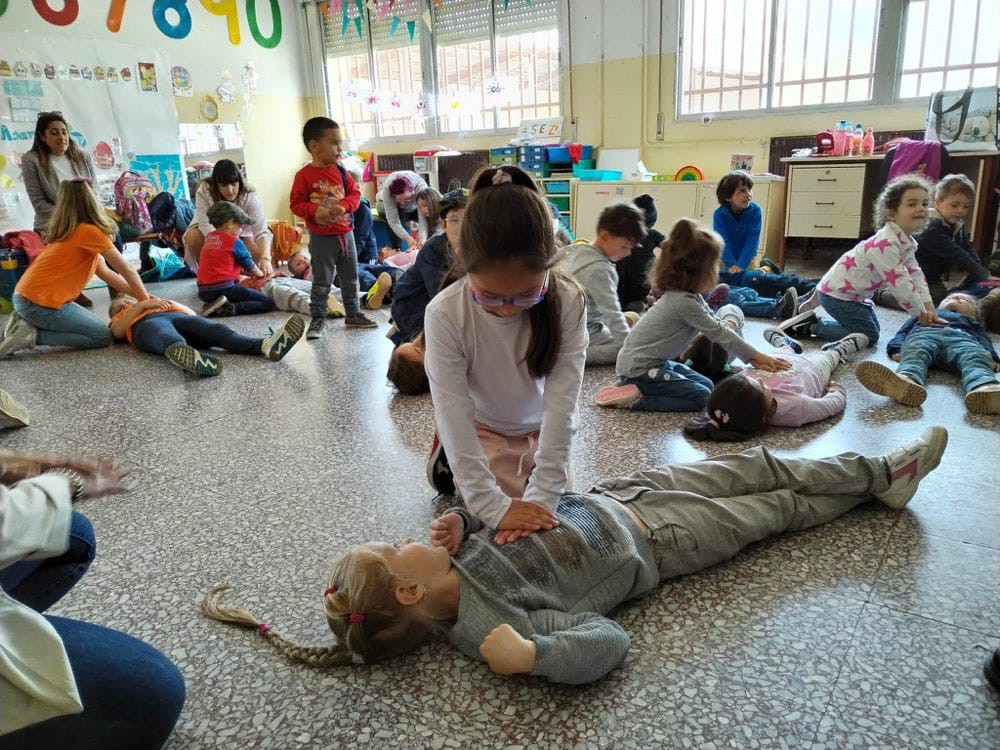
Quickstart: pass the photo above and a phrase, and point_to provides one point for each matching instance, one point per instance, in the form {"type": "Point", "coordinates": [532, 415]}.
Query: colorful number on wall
{"type": "Point", "coordinates": [3, 7]}
{"type": "Point", "coordinates": [115, 12]}
{"type": "Point", "coordinates": [228, 9]}
{"type": "Point", "coordinates": [267, 42]}
{"type": "Point", "coordinates": [64, 17]}
{"type": "Point", "coordinates": [183, 26]}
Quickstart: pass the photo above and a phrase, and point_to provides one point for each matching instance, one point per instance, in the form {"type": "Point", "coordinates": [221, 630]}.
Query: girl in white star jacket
{"type": "Point", "coordinates": [887, 259]}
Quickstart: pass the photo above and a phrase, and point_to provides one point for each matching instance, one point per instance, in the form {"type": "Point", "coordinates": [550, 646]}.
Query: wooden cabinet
{"type": "Point", "coordinates": [678, 200]}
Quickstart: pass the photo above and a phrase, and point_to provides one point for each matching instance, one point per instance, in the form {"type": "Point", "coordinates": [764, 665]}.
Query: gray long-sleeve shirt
{"type": "Point", "coordinates": [43, 188]}
{"type": "Point", "coordinates": [667, 329]}
{"type": "Point", "coordinates": [390, 209]}
{"type": "Point", "coordinates": [555, 587]}
{"type": "Point", "coordinates": [606, 323]}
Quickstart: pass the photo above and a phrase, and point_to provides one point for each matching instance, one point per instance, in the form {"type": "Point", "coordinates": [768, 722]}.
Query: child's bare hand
{"type": "Point", "coordinates": [507, 652]}
{"type": "Point", "coordinates": [996, 367]}
{"type": "Point", "coordinates": [894, 357]}
{"type": "Point", "coordinates": [769, 364]}
{"type": "Point", "coordinates": [257, 273]}
{"type": "Point", "coordinates": [734, 269]}
{"type": "Point", "coordinates": [337, 210]}
{"type": "Point", "coordinates": [930, 318]}
{"type": "Point", "coordinates": [527, 517]}
{"type": "Point", "coordinates": [447, 532]}
{"type": "Point", "coordinates": [322, 215]}
{"type": "Point", "coordinates": [506, 537]}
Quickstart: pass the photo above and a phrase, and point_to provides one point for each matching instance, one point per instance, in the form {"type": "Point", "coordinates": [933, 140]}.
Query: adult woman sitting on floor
{"type": "Point", "coordinates": [226, 183]}
{"type": "Point", "coordinates": [66, 683]}
{"type": "Point", "coordinates": [80, 246]}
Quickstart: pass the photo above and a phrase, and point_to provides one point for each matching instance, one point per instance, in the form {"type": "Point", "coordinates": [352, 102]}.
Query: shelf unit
{"type": "Point", "coordinates": [559, 188]}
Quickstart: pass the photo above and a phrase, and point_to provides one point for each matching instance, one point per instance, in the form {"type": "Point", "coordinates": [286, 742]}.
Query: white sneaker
{"type": "Point", "coordinates": [12, 412]}
{"type": "Point", "coordinates": [884, 381]}
{"type": "Point", "coordinates": [908, 465]}
{"type": "Point", "coordinates": [852, 343]}
{"type": "Point", "coordinates": [984, 400]}
{"type": "Point", "coordinates": [19, 334]}
{"type": "Point", "coordinates": [280, 342]}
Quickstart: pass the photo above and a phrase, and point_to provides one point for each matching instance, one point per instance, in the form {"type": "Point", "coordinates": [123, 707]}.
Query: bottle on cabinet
{"type": "Point", "coordinates": [857, 139]}
{"type": "Point", "coordinates": [868, 143]}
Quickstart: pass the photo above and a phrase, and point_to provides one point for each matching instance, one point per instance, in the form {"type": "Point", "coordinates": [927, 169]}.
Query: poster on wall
{"type": "Point", "coordinates": [111, 121]}
{"type": "Point", "coordinates": [165, 171]}
{"type": "Point", "coordinates": [147, 77]}
{"type": "Point", "coordinates": [180, 79]}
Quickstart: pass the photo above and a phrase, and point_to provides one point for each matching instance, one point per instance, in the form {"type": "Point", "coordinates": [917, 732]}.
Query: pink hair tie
{"type": "Point", "coordinates": [331, 590]}
{"type": "Point", "coordinates": [354, 617]}
{"type": "Point", "coordinates": [262, 628]}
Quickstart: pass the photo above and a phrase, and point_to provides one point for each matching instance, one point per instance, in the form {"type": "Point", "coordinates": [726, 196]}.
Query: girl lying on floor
{"type": "Point", "coordinates": [167, 328]}
{"type": "Point", "coordinates": [537, 605]}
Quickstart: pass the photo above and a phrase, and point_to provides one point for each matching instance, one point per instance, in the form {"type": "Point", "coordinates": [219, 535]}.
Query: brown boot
{"type": "Point", "coordinates": [84, 301]}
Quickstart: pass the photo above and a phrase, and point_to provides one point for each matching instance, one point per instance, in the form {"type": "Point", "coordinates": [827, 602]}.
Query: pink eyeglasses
{"type": "Point", "coordinates": [524, 302]}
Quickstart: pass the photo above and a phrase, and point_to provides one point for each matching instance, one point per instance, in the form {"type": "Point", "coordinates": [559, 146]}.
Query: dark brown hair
{"type": "Point", "coordinates": [730, 183]}
{"type": "Point", "coordinates": [315, 127]}
{"type": "Point", "coordinates": [736, 410]}
{"type": "Point", "coordinates": [622, 219]}
{"type": "Point", "coordinates": [407, 374]}
{"type": "Point", "coordinates": [484, 178]}
{"type": "Point", "coordinates": [686, 258]}
{"type": "Point", "coordinates": [892, 195]}
{"type": "Point", "coordinates": [954, 183]}
{"type": "Point", "coordinates": [430, 196]}
{"type": "Point", "coordinates": [225, 172]}
{"type": "Point", "coordinates": [989, 311]}
{"type": "Point", "coordinates": [41, 149]}
{"type": "Point", "coordinates": [509, 225]}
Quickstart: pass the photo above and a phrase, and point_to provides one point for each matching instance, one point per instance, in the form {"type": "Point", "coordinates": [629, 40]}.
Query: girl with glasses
{"type": "Point", "coordinates": [505, 349]}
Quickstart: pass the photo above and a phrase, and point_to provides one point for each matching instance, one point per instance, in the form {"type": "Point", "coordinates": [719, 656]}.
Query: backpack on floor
{"type": "Point", "coordinates": [13, 264]}
{"type": "Point", "coordinates": [133, 192]}
{"type": "Point", "coordinates": [24, 239]}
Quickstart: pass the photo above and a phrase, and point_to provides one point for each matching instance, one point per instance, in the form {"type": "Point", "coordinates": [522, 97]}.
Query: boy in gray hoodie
{"type": "Point", "coordinates": [620, 227]}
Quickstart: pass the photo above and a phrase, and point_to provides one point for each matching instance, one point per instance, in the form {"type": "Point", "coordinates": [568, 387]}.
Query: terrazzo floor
{"type": "Point", "coordinates": [869, 632]}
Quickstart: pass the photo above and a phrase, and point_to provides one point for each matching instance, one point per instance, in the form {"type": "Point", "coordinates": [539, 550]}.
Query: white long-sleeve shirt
{"type": "Point", "coordinates": [886, 259]}
{"type": "Point", "coordinates": [249, 202]}
{"type": "Point", "coordinates": [36, 681]}
{"type": "Point", "coordinates": [475, 364]}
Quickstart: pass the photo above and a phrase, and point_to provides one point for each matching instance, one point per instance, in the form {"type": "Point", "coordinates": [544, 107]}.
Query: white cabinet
{"type": "Point", "coordinates": [679, 200]}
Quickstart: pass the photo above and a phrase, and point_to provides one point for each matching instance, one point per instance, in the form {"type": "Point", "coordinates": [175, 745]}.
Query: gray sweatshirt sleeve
{"type": "Point", "coordinates": [696, 314]}
{"type": "Point", "coordinates": [574, 649]}
{"type": "Point", "coordinates": [31, 172]}
{"type": "Point", "coordinates": [601, 282]}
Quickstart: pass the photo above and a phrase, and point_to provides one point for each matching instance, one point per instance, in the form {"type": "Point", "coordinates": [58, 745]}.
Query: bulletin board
{"type": "Point", "coordinates": [117, 99]}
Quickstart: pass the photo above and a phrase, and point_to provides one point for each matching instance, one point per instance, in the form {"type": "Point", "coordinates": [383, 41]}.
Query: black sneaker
{"type": "Point", "coordinates": [800, 326]}
{"type": "Point", "coordinates": [769, 265]}
{"type": "Point", "coordinates": [991, 669]}
{"type": "Point", "coordinates": [359, 320]}
{"type": "Point", "coordinates": [438, 472]}
{"type": "Point", "coordinates": [787, 304]}
{"type": "Point", "coordinates": [215, 307]}
{"type": "Point", "coordinates": [316, 326]}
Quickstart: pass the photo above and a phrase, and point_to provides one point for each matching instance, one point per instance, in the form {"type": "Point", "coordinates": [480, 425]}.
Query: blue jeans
{"type": "Point", "coordinates": [156, 332]}
{"type": "Point", "coordinates": [674, 387]}
{"type": "Point", "coordinates": [947, 349]}
{"type": "Point", "coordinates": [848, 317]}
{"type": "Point", "coordinates": [768, 284]}
{"type": "Point", "coordinates": [245, 301]}
{"type": "Point", "coordinates": [69, 325]}
{"type": "Point", "coordinates": [751, 303]}
{"type": "Point", "coordinates": [131, 693]}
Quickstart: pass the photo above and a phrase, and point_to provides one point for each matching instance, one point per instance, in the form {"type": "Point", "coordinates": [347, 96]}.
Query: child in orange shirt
{"type": "Point", "coordinates": [168, 328]}
{"type": "Point", "coordinates": [326, 197]}
{"type": "Point", "coordinates": [80, 247]}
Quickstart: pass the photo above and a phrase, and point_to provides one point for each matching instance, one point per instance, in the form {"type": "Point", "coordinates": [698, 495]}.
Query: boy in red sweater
{"type": "Point", "coordinates": [224, 258]}
{"type": "Point", "coordinates": [326, 197]}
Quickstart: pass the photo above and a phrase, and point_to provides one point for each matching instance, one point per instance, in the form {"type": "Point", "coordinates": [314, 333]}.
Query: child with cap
{"type": "Point", "coordinates": [223, 256]}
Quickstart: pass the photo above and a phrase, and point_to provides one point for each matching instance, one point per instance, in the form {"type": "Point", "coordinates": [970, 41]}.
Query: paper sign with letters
{"type": "Point", "coordinates": [541, 130]}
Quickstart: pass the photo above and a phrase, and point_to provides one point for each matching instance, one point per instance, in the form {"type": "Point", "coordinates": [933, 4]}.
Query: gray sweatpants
{"type": "Point", "coordinates": [702, 513]}
{"type": "Point", "coordinates": [289, 294]}
{"type": "Point", "coordinates": [326, 260]}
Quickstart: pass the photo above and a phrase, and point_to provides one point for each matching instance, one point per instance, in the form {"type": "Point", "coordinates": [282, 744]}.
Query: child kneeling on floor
{"type": "Point", "coordinates": [743, 405]}
{"type": "Point", "coordinates": [223, 256]}
{"type": "Point", "coordinates": [539, 606]}
{"type": "Point", "coordinates": [167, 328]}
{"type": "Point", "coordinates": [961, 346]}
{"type": "Point", "coordinates": [648, 379]}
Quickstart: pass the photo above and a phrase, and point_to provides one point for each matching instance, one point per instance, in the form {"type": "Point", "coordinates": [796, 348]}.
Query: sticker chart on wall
{"type": "Point", "coordinates": [173, 18]}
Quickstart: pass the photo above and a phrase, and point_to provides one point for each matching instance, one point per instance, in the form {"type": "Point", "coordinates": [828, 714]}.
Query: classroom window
{"type": "Point", "coordinates": [487, 65]}
{"type": "Point", "coordinates": [949, 45]}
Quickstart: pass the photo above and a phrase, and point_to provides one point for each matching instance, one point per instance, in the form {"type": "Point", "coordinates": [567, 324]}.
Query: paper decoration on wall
{"type": "Point", "coordinates": [74, 73]}
{"type": "Point", "coordinates": [411, 27]}
{"type": "Point", "coordinates": [250, 77]}
{"type": "Point", "coordinates": [498, 90]}
{"type": "Point", "coordinates": [104, 156]}
{"type": "Point", "coordinates": [63, 72]}
{"type": "Point", "coordinates": [127, 74]}
{"type": "Point", "coordinates": [394, 25]}
{"type": "Point", "coordinates": [226, 90]}
{"type": "Point", "coordinates": [23, 88]}
{"type": "Point", "coordinates": [50, 71]}
{"type": "Point", "coordinates": [112, 75]}
{"type": "Point", "coordinates": [19, 70]}
{"type": "Point", "coordinates": [209, 108]}
{"type": "Point", "coordinates": [87, 73]}
{"type": "Point", "coordinates": [741, 161]}
{"type": "Point", "coordinates": [24, 109]}
{"type": "Point", "coordinates": [99, 73]}
{"type": "Point", "coordinates": [165, 171]}
{"type": "Point", "coordinates": [147, 77]}
{"type": "Point", "coordinates": [180, 79]}
{"type": "Point", "coordinates": [36, 70]}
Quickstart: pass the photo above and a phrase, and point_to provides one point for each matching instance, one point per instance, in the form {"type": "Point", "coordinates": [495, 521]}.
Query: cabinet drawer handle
{"type": "Point", "coordinates": [822, 226]}
{"type": "Point", "coordinates": [824, 203]}
{"type": "Point", "coordinates": [826, 179]}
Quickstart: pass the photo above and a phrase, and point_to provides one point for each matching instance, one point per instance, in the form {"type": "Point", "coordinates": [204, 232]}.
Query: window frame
{"type": "Point", "coordinates": [890, 41]}
{"type": "Point", "coordinates": [428, 58]}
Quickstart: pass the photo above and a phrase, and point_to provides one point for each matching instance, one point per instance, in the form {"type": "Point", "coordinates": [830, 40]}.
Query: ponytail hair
{"type": "Point", "coordinates": [736, 411]}
{"type": "Point", "coordinates": [361, 609]}
{"type": "Point", "coordinates": [686, 258]}
{"type": "Point", "coordinates": [510, 225]}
